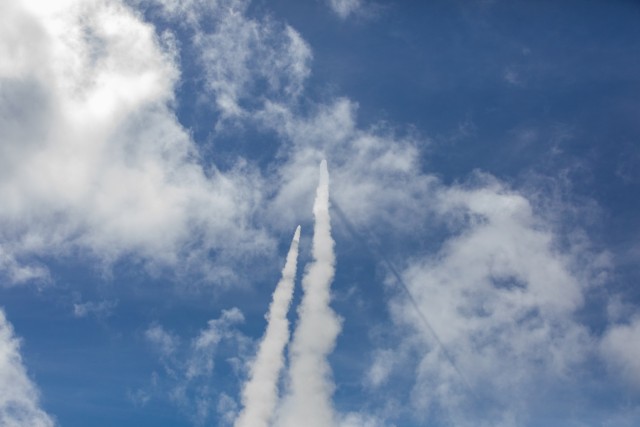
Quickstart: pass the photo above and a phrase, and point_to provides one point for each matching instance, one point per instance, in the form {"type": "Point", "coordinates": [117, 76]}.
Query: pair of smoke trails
{"type": "Point", "coordinates": [308, 399]}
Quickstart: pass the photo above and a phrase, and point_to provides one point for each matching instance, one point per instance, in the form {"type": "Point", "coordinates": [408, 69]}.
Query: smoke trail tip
{"type": "Point", "coordinates": [296, 235]}
{"type": "Point", "coordinates": [324, 171]}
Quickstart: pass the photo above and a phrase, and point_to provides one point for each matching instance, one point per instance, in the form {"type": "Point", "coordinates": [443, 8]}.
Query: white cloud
{"type": "Point", "coordinates": [200, 363]}
{"type": "Point", "coordinates": [501, 294]}
{"type": "Point", "coordinates": [359, 420]}
{"type": "Point", "coordinates": [512, 77]}
{"type": "Point", "coordinates": [381, 368]}
{"type": "Point", "coordinates": [244, 61]}
{"type": "Point", "coordinates": [345, 8]}
{"type": "Point", "coordinates": [165, 342]}
{"type": "Point", "coordinates": [620, 348]}
{"type": "Point", "coordinates": [375, 173]}
{"type": "Point", "coordinates": [13, 272]}
{"type": "Point", "coordinates": [96, 162]}
{"type": "Point", "coordinates": [93, 159]}
{"type": "Point", "coordinates": [19, 397]}
{"type": "Point", "coordinates": [99, 309]}
{"type": "Point", "coordinates": [188, 365]}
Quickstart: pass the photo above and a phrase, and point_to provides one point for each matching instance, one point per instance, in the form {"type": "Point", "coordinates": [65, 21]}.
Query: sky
{"type": "Point", "coordinates": [331, 213]}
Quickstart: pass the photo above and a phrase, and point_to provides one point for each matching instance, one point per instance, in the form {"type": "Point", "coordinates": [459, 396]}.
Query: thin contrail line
{"type": "Point", "coordinates": [373, 247]}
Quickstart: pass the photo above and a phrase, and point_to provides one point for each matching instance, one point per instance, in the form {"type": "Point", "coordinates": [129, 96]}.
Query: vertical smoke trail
{"type": "Point", "coordinates": [260, 393]}
{"type": "Point", "coordinates": [308, 402]}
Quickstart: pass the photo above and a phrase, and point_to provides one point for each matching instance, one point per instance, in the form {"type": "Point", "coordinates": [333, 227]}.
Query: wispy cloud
{"type": "Point", "coordinates": [345, 8]}
{"type": "Point", "coordinates": [19, 397]}
{"type": "Point", "coordinates": [620, 348]}
{"type": "Point", "coordinates": [188, 366]}
{"type": "Point", "coordinates": [13, 272]}
{"type": "Point", "coordinates": [498, 291]}
{"type": "Point", "coordinates": [244, 61]}
{"type": "Point", "coordinates": [99, 309]}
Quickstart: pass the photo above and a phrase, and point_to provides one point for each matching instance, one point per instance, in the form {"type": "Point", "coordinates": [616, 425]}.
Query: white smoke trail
{"type": "Point", "coordinates": [260, 393]}
{"type": "Point", "coordinates": [308, 401]}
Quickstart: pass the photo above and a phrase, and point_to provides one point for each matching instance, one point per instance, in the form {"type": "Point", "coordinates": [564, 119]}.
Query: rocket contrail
{"type": "Point", "coordinates": [308, 401]}
{"type": "Point", "coordinates": [260, 393]}
{"type": "Point", "coordinates": [375, 250]}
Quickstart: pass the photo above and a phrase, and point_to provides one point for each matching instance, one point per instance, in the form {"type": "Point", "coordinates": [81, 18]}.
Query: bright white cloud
{"type": "Point", "coordinates": [93, 157]}
{"type": "Point", "coordinates": [19, 397]}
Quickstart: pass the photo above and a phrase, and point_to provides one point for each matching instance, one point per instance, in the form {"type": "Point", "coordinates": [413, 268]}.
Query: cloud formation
{"type": "Point", "coordinates": [244, 61]}
{"type": "Point", "coordinates": [93, 158]}
{"type": "Point", "coordinates": [502, 294]}
{"type": "Point", "coordinates": [95, 162]}
{"type": "Point", "coordinates": [620, 348]}
{"type": "Point", "coordinates": [188, 377]}
{"type": "Point", "coordinates": [19, 397]}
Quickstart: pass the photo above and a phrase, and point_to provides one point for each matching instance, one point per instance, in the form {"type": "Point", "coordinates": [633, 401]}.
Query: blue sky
{"type": "Point", "coordinates": [156, 157]}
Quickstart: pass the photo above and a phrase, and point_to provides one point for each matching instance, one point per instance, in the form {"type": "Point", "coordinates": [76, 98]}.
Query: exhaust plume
{"type": "Point", "coordinates": [260, 393]}
{"type": "Point", "coordinates": [310, 386]}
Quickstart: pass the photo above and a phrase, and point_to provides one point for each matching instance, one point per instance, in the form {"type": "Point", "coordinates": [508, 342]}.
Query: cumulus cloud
{"type": "Point", "coordinates": [93, 158]}
{"type": "Point", "coordinates": [19, 397]}
{"type": "Point", "coordinates": [95, 161]}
